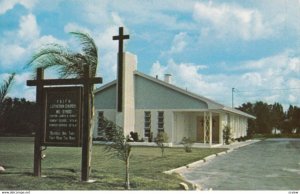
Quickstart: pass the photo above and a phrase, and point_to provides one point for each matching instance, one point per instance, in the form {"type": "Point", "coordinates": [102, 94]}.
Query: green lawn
{"type": "Point", "coordinates": [62, 167]}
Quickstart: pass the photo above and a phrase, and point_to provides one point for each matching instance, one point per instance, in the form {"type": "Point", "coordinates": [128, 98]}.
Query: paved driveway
{"type": "Point", "coordinates": [273, 164]}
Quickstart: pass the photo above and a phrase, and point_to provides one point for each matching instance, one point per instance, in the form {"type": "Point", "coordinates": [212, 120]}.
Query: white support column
{"type": "Point", "coordinates": [210, 128]}
{"type": "Point", "coordinates": [172, 127]}
{"type": "Point", "coordinates": [221, 120]}
{"type": "Point", "coordinates": [204, 127]}
{"type": "Point", "coordinates": [207, 127]}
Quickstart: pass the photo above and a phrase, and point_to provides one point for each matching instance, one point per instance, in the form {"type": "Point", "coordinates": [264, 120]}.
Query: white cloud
{"type": "Point", "coordinates": [188, 76]}
{"type": "Point", "coordinates": [227, 20]}
{"type": "Point", "coordinates": [285, 63]}
{"type": "Point", "coordinates": [44, 41]}
{"type": "Point", "coordinates": [136, 12]}
{"type": "Point", "coordinates": [21, 78]}
{"type": "Point", "coordinates": [294, 65]}
{"type": "Point", "coordinates": [107, 47]}
{"type": "Point", "coordinates": [18, 88]}
{"type": "Point", "coordinates": [292, 98]}
{"type": "Point", "coordinates": [271, 79]}
{"type": "Point", "coordinates": [10, 54]}
{"type": "Point", "coordinates": [252, 79]}
{"type": "Point", "coordinates": [102, 35]}
{"type": "Point", "coordinates": [108, 53]}
{"type": "Point", "coordinates": [73, 27]}
{"type": "Point", "coordinates": [17, 45]}
{"type": "Point", "coordinates": [117, 20]}
{"type": "Point", "coordinates": [179, 43]}
{"type": "Point", "coordinates": [29, 4]}
{"type": "Point", "coordinates": [6, 5]}
{"type": "Point", "coordinates": [96, 12]}
{"type": "Point", "coordinates": [158, 70]}
{"type": "Point", "coordinates": [28, 29]}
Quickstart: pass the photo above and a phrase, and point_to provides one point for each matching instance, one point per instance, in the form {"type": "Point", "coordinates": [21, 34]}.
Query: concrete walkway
{"type": "Point", "coordinates": [202, 162]}
{"type": "Point", "coordinates": [236, 145]}
{"type": "Point", "coordinates": [272, 164]}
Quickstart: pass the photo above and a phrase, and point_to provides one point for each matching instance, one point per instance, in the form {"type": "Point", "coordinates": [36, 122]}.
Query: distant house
{"type": "Point", "coordinates": [151, 105]}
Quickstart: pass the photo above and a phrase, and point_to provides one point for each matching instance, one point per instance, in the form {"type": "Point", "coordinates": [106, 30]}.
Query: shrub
{"type": "Point", "coordinates": [227, 135]}
{"type": "Point", "coordinates": [187, 143]}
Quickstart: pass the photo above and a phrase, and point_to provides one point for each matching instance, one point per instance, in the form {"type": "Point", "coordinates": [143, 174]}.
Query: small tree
{"type": "Point", "coordinates": [160, 139]}
{"type": "Point", "coordinates": [227, 134]}
{"type": "Point", "coordinates": [119, 146]}
{"type": "Point", "coordinates": [187, 144]}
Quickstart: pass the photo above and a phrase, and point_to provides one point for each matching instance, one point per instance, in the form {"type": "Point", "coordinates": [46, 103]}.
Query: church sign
{"type": "Point", "coordinates": [62, 116]}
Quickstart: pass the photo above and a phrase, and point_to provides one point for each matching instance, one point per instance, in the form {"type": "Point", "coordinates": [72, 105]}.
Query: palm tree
{"type": "Point", "coordinates": [118, 146]}
{"type": "Point", "coordinates": [69, 63]}
{"type": "Point", "coordinates": [3, 91]}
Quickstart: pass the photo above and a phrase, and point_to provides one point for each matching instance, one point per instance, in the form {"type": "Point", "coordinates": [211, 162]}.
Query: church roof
{"type": "Point", "coordinates": [212, 105]}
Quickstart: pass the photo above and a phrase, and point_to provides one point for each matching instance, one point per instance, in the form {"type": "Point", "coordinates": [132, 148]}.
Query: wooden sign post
{"type": "Point", "coordinates": [65, 116]}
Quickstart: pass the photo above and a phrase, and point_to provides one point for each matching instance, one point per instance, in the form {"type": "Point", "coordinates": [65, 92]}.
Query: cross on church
{"type": "Point", "coordinates": [121, 37]}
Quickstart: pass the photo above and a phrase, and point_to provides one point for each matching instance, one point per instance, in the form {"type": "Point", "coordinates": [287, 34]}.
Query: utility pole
{"type": "Point", "coordinates": [232, 97]}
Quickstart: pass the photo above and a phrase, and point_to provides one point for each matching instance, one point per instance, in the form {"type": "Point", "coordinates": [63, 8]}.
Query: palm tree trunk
{"type": "Point", "coordinates": [127, 182]}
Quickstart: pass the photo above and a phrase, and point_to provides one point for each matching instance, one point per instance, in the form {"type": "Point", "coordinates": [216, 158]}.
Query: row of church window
{"type": "Point", "coordinates": [147, 122]}
{"type": "Point", "coordinates": [102, 130]}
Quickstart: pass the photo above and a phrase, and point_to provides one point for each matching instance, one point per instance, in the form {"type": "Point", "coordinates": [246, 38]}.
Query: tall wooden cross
{"type": "Point", "coordinates": [120, 37]}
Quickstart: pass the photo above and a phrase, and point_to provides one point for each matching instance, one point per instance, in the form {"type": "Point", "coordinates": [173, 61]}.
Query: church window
{"type": "Point", "coordinates": [147, 126]}
{"type": "Point", "coordinates": [160, 121]}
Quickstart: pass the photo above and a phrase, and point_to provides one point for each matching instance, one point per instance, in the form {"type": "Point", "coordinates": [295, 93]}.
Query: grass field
{"type": "Point", "coordinates": [62, 167]}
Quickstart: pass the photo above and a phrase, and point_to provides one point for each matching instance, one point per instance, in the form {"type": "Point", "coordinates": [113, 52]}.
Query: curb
{"type": "Point", "coordinates": [221, 153]}
{"type": "Point", "coordinates": [195, 164]}
{"type": "Point", "coordinates": [207, 158]}
{"type": "Point", "coordinates": [230, 150]}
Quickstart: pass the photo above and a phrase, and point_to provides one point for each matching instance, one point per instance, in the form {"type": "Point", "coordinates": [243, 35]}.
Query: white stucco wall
{"type": "Point", "coordinates": [168, 122]}
{"type": "Point", "coordinates": [180, 120]}
{"type": "Point", "coordinates": [185, 125]}
{"type": "Point", "coordinates": [238, 126]}
{"type": "Point", "coordinates": [222, 124]}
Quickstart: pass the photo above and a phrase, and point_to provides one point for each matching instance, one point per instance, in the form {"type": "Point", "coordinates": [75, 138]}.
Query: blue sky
{"type": "Point", "coordinates": [209, 47]}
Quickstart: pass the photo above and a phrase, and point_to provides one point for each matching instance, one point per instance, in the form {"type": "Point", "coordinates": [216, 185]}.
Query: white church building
{"type": "Point", "coordinates": [151, 105]}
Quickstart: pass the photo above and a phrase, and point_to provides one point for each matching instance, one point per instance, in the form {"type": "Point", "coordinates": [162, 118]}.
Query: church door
{"type": "Point", "coordinates": [215, 129]}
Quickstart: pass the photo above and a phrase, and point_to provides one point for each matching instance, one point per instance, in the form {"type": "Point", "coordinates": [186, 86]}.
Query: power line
{"type": "Point", "coordinates": [263, 90]}
{"type": "Point", "coordinates": [260, 95]}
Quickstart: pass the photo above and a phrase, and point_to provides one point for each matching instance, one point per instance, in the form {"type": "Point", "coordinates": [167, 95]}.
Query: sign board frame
{"type": "Point", "coordinates": [62, 116]}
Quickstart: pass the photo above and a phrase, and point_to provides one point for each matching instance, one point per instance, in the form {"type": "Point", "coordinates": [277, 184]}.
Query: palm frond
{"type": "Point", "coordinates": [67, 62]}
{"type": "Point", "coordinates": [117, 146]}
{"type": "Point", "coordinates": [56, 56]}
{"type": "Point", "coordinates": [89, 49]}
{"type": "Point", "coordinates": [5, 87]}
